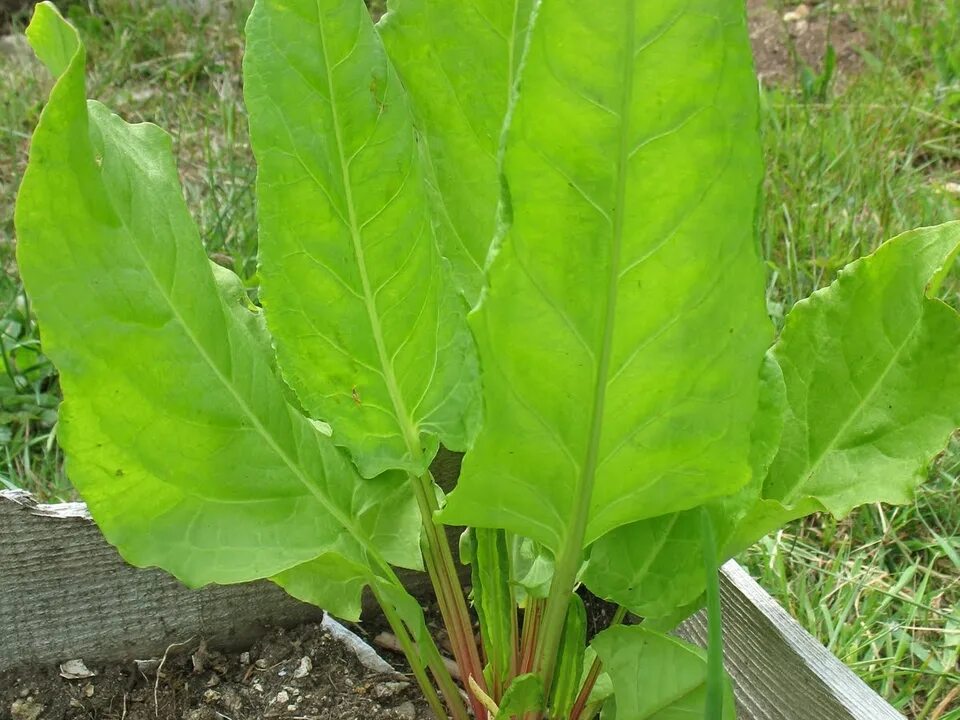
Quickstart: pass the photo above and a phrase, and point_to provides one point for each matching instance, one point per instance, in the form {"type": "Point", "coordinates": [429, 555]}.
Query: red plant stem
{"type": "Point", "coordinates": [528, 642]}
{"type": "Point", "coordinates": [446, 584]}
{"type": "Point", "coordinates": [418, 659]}
{"type": "Point", "coordinates": [581, 702]}
{"type": "Point", "coordinates": [588, 684]}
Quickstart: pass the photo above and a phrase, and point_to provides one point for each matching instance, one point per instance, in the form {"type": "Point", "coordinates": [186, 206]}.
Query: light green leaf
{"type": "Point", "coordinates": [655, 677]}
{"type": "Point", "coordinates": [532, 569]}
{"type": "Point", "coordinates": [655, 566]}
{"type": "Point", "coordinates": [369, 330]}
{"type": "Point", "coordinates": [524, 695]}
{"type": "Point", "coordinates": [650, 566]}
{"type": "Point", "coordinates": [494, 602]}
{"type": "Point", "coordinates": [872, 372]}
{"type": "Point", "coordinates": [174, 423]}
{"type": "Point", "coordinates": [329, 581]}
{"type": "Point", "coordinates": [459, 61]}
{"type": "Point", "coordinates": [624, 326]}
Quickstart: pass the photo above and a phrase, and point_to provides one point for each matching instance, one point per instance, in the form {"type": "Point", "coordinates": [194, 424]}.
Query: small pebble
{"type": "Point", "coordinates": [282, 698]}
{"type": "Point", "coordinates": [245, 658]}
{"type": "Point", "coordinates": [88, 690]}
{"type": "Point", "coordinates": [24, 692]}
{"type": "Point", "coordinates": [213, 680]}
{"type": "Point", "coordinates": [258, 687]}
{"type": "Point", "coordinates": [25, 710]}
{"type": "Point", "coordinates": [801, 12]}
{"type": "Point", "coordinates": [211, 696]}
{"type": "Point", "coordinates": [406, 711]}
{"type": "Point", "coordinates": [304, 668]}
{"type": "Point", "coordinates": [231, 700]}
{"type": "Point", "coordinates": [389, 689]}
{"type": "Point", "coordinates": [261, 664]}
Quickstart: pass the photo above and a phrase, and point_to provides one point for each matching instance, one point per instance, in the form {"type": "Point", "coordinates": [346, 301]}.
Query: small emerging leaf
{"type": "Point", "coordinates": [566, 679]}
{"type": "Point", "coordinates": [494, 603]}
{"type": "Point", "coordinates": [524, 695]}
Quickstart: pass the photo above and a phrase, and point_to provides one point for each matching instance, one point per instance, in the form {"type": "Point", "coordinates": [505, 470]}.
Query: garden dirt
{"type": "Point", "coordinates": [298, 674]}
{"type": "Point", "coordinates": [794, 34]}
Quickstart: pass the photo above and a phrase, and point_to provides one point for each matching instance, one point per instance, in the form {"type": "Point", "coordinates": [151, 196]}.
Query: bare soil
{"type": "Point", "coordinates": [298, 674]}
{"type": "Point", "coordinates": [270, 680]}
{"type": "Point", "coordinates": [786, 35]}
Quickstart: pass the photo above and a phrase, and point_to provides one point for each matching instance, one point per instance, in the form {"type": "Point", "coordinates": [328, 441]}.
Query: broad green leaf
{"type": "Point", "coordinates": [655, 677]}
{"type": "Point", "coordinates": [872, 371]}
{"type": "Point", "coordinates": [459, 61]}
{"type": "Point", "coordinates": [369, 330]}
{"type": "Point", "coordinates": [174, 423]}
{"type": "Point", "coordinates": [623, 328]}
{"type": "Point", "coordinates": [524, 695]}
{"type": "Point", "coordinates": [655, 566]}
{"type": "Point", "coordinates": [651, 566]}
{"type": "Point", "coordinates": [871, 387]}
{"type": "Point", "coordinates": [870, 366]}
{"type": "Point", "coordinates": [566, 679]}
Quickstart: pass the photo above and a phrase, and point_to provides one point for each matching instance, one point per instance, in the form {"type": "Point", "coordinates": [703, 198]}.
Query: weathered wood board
{"type": "Point", "coordinates": [65, 593]}
{"type": "Point", "coordinates": [779, 671]}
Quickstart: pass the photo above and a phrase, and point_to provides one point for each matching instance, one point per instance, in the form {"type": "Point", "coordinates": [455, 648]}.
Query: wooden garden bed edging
{"type": "Point", "coordinates": [66, 593]}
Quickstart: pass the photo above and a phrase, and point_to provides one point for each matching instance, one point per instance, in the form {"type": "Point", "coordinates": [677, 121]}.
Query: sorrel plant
{"type": "Point", "coordinates": [521, 230]}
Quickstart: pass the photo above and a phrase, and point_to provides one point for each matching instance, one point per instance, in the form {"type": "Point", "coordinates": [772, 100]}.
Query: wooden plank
{"type": "Point", "coordinates": [66, 593]}
{"type": "Point", "coordinates": [779, 671]}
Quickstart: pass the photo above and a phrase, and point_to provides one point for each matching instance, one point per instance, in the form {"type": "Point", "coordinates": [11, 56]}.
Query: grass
{"type": "Point", "coordinates": [846, 170]}
{"type": "Point", "coordinates": [848, 166]}
{"type": "Point", "coordinates": [162, 62]}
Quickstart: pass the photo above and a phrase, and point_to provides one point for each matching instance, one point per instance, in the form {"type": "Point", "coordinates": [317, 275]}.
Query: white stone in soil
{"type": "Point", "coordinates": [304, 668]}
{"type": "Point", "coordinates": [406, 711]}
{"type": "Point", "coordinates": [365, 654]}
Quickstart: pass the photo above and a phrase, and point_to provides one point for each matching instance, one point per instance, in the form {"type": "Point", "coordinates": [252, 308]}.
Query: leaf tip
{"type": "Point", "coordinates": [54, 40]}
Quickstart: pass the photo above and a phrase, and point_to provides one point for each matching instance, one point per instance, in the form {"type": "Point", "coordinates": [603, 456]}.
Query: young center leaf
{"type": "Point", "coordinates": [369, 330]}
{"type": "Point", "coordinates": [175, 425]}
{"type": "Point", "coordinates": [459, 62]}
{"type": "Point", "coordinates": [623, 328]}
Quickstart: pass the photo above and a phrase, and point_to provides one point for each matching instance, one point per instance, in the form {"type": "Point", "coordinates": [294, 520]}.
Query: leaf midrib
{"type": "Point", "coordinates": [591, 463]}
{"type": "Point", "coordinates": [396, 398]}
